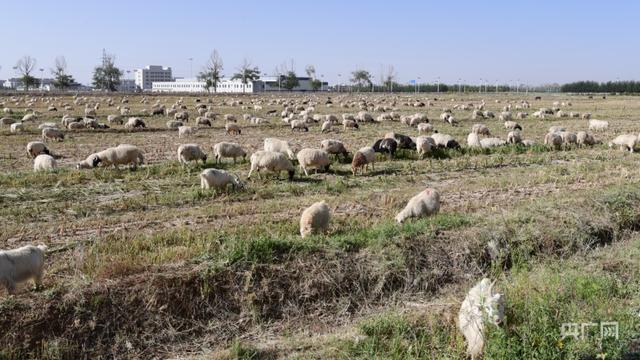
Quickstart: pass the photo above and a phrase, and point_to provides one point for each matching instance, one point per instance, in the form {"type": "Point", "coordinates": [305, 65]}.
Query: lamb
{"type": "Point", "coordinates": [335, 147]}
{"type": "Point", "coordinates": [35, 148]}
{"type": "Point", "coordinates": [277, 145]}
{"type": "Point", "coordinates": [386, 145]}
{"type": "Point", "coordinates": [232, 128]}
{"type": "Point", "coordinates": [445, 141]}
{"type": "Point", "coordinates": [584, 138]}
{"type": "Point", "coordinates": [52, 134]}
{"type": "Point", "coordinates": [122, 154]}
{"type": "Point", "coordinates": [134, 123]}
{"type": "Point", "coordinates": [350, 124]}
{"type": "Point", "coordinates": [20, 265]}
{"type": "Point", "coordinates": [512, 125]}
{"type": "Point", "coordinates": [426, 203]}
{"type": "Point", "coordinates": [553, 139]}
{"type": "Point", "coordinates": [316, 158]}
{"type": "Point", "coordinates": [191, 152]}
{"type": "Point", "coordinates": [482, 304]}
{"type": "Point", "coordinates": [480, 129]}
{"type": "Point", "coordinates": [174, 124]}
{"type": "Point", "coordinates": [15, 127]}
{"type": "Point", "coordinates": [425, 128]}
{"type": "Point", "coordinates": [299, 125]}
{"type": "Point", "coordinates": [315, 219]}
{"type": "Point", "coordinates": [424, 145]}
{"type": "Point", "coordinates": [271, 161]}
{"type": "Point", "coordinates": [625, 142]}
{"type": "Point", "coordinates": [363, 158]}
{"type": "Point", "coordinates": [227, 149]}
{"type": "Point", "coordinates": [185, 131]}
{"type": "Point", "coordinates": [218, 179]}
{"type": "Point", "coordinates": [598, 125]}
{"type": "Point", "coordinates": [44, 162]}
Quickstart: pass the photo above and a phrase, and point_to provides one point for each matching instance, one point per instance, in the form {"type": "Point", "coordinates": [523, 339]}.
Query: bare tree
{"type": "Point", "coordinates": [25, 66]}
{"type": "Point", "coordinates": [390, 77]}
{"type": "Point", "coordinates": [212, 73]}
{"type": "Point", "coordinates": [62, 80]}
{"type": "Point", "coordinates": [246, 72]}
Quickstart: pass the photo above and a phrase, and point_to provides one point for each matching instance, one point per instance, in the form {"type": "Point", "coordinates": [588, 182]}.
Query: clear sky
{"type": "Point", "coordinates": [534, 41]}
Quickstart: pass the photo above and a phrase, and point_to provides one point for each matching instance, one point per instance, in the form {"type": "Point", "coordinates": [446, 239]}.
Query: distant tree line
{"type": "Point", "coordinates": [604, 87]}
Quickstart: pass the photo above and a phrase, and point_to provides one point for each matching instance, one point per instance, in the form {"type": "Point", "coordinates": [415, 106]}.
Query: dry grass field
{"type": "Point", "coordinates": [145, 264]}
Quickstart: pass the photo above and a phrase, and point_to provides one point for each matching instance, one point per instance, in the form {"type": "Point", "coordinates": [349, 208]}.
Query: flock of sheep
{"type": "Point", "coordinates": [482, 303]}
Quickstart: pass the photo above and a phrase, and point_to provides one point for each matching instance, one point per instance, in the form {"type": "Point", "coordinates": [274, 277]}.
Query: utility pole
{"type": "Point", "coordinates": [190, 67]}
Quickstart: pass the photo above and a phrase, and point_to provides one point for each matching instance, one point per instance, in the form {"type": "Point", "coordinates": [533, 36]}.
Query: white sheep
{"type": "Point", "coordinates": [228, 150]}
{"type": "Point", "coordinates": [271, 161]}
{"type": "Point", "coordinates": [625, 142]}
{"type": "Point", "coordinates": [326, 126]}
{"type": "Point", "coordinates": [191, 152]}
{"type": "Point", "coordinates": [86, 163]}
{"type": "Point", "coordinates": [445, 140]}
{"type": "Point", "coordinates": [277, 145]}
{"type": "Point", "coordinates": [44, 162]}
{"type": "Point", "coordinates": [134, 123]}
{"type": "Point", "coordinates": [315, 219]}
{"type": "Point", "coordinates": [185, 131]}
{"type": "Point", "coordinates": [15, 127]}
{"type": "Point", "coordinates": [584, 138]}
{"type": "Point", "coordinates": [480, 129]}
{"type": "Point", "coordinates": [350, 124]}
{"type": "Point", "coordinates": [426, 203]}
{"type": "Point", "coordinates": [174, 124]}
{"type": "Point", "coordinates": [481, 305]}
{"type": "Point", "coordinates": [424, 145]}
{"type": "Point", "coordinates": [334, 147]}
{"type": "Point", "coordinates": [362, 158]}
{"type": "Point", "coordinates": [20, 265]}
{"type": "Point", "coordinates": [553, 139]}
{"type": "Point", "coordinates": [514, 137]}
{"type": "Point", "coordinates": [512, 125]}
{"type": "Point", "coordinates": [52, 134]}
{"type": "Point", "coordinates": [425, 128]}
{"type": "Point", "coordinates": [299, 125]}
{"type": "Point", "coordinates": [598, 125]}
{"type": "Point", "coordinates": [218, 179]}
{"type": "Point", "coordinates": [231, 127]}
{"type": "Point", "coordinates": [122, 154]}
{"type": "Point", "coordinates": [313, 158]}
{"type": "Point", "coordinates": [35, 148]}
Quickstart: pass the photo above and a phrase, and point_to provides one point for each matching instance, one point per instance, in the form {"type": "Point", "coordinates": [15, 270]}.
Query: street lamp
{"type": "Point", "coordinates": [459, 84]}
{"type": "Point", "coordinates": [339, 81]}
{"type": "Point", "coordinates": [419, 78]}
{"type": "Point", "coordinates": [41, 78]}
{"type": "Point", "coordinates": [190, 67]}
{"type": "Point", "coordinates": [438, 85]}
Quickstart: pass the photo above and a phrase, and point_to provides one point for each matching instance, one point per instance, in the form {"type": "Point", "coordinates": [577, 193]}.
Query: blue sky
{"type": "Point", "coordinates": [534, 41]}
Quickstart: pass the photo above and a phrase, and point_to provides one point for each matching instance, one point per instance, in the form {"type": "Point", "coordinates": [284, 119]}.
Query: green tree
{"type": "Point", "coordinates": [25, 66]}
{"type": "Point", "coordinates": [61, 80]}
{"type": "Point", "coordinates": [212, 73]}
{"type": "Point", "coordinates": [107, 76]}
{"type": "Point", "coordinates": [316, 84]}
{"type": "Point", "coordinates": [246, 73]}
{"type": "Point", "coordinates": [361, 78]}
{"type": "Point", "coordinates": [290, 80]}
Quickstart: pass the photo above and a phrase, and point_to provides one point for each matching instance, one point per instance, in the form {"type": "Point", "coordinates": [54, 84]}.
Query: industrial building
{"type": "Point", "coordinates": [145, 77]}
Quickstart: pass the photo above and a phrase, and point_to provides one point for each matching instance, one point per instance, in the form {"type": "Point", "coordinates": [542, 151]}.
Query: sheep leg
{"type": "Point", "coordinates": [37, 280]}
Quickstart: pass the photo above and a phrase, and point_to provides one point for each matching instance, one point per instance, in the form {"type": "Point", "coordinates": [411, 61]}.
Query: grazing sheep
{"type": "Point", "coordinates": [326, 126]}
{"type": "Point", "coordinates": [568, 138]}
{"type": "Point", "coordinates": [191, 152]}
{"type": "Point", "coordinates": [271, 161]}
{"type": "Point", "coordinates": [52, 134]}
{"type": "Point", "coordinates": [505, 116]}
{"type": "Point", "coordinates": [425, 128]}
{"type": "Point", "coordinates": [424, 145]}
{"type": "Point", "coordinates": [584, 138]}
{"type": "Point", "coordinates": [514, 137]}
{"type": "Point", "coordinates": [76, 125]}
{"type": "Point", "coordinates": [15, 127]}
{"type": "Point", "coordinates": [363, 158]}
{"type": "Point", "coordinates": [228, 150]}
{"type": "Point", "coordinates": [313, 158]}
{"type": "Point", "coordinates": [480, 129]}
{"type": "Point", "coordinates": [134, 123]}
{"type": "Point", "coordinates": [232, 129]}
{"type": "Point", "coordinates": [44, 162]}
{"type": "Point", "coordinates": [445, 141]}
{"type": "Point", "coordinates": [29, 117]}
{"type": "Point", "coordinates": [299, 125]}
{"type": "Point", "coordinates": [86, 163]}
{"type": "Point", "coordinates": [481, 305]}
{"type": "Point", "coordinates": [553, 139]}
{"type": "Point", "coordinates": [488, 115]}
{"type": "Point", "coordinates": [364, 116]}
{"type": "Point", "coordinates": [386, 145]}
{"type": "Point", "coordinates": [218, 179]}
{"type": "Point", "coordinates": [203, 121]}
{"type": "Point", "coordinates": [598, 125]}
{"type": "Point", "coordinates": [230, 118]}
{"type": "Point", "coordinates": [625, 142]}
{"type": "Point", "coordinates": [122, 154]}
{"type": "Point", "coordinates": [586, 116]}
{"type": "Point", "coordinates": [315, 219]}
{"type": "Point", "coordinates": [7, 121]}
{"type": "Point", "coordinates": [181, 116]}
{"type": "Point", "coordinates": [185, 131]}
{"type": "Point", "coordinates": [426, 203]}
{"type": "Point", "coordinates": [512, 125]}
{"type": "Point", "coordinates": [174, 124]}
{"type": "Point", "coordinates": [277, 145]}
{"type": "Point", "coordinates": [404, 141]}
{"type": "Point", "coordinates": [350, 124]}
{"type": "Point", "coordinates": [474, 141]}
{"type": "Point", "coordinates": [21, 265]}
{"type": "Point", "coordinates": [334, 147]}
{"type": "Point", "coordinates": [35, 148]}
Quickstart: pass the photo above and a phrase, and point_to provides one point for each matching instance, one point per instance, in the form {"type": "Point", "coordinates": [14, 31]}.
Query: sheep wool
{"type": "Point", "coordinates": [271, 161]}
{"type": "Point", "coordinates": [423, 204]}
{"type": "Point", "coordinates": [191, 152]}
{"type": "Point", "coordinates": [35, 148]}
{"type": "Point", "coordinates": [44, 162]}
{"type": "Point", "coordinates": [122, 154]}
{"type": "Point", "coordinates": [218, 179]}
{"type": "Point", "coordinates": [277, 145]}
{"type": "Point", "coordinates": [20, 265]}
{"type": "Point", "coordinates": [315, 219]}
{"type": "Point", "coordinates": [228, 150]}
{"type": "Point", "coordinates": [313, 158]}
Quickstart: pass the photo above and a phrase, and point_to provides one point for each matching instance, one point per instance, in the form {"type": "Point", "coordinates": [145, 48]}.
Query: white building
{"type": "Point", "coordinates": [127, 85]}
{"type": "Point", "coordinates": [196, 86]}
{"type": "Point", "coordinates": [145, 77]}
